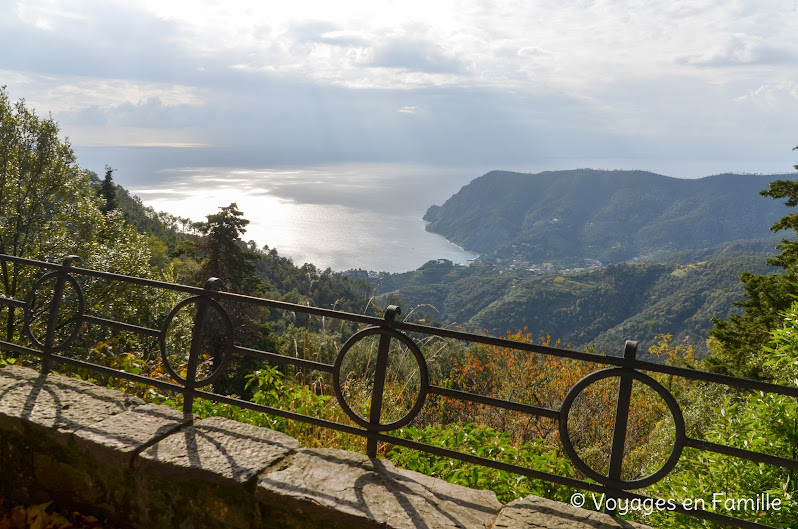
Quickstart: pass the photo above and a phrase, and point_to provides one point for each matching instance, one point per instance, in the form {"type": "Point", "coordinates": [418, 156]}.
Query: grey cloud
{"type": "Point", "coordinates": [344, 40]}
{"type": "Point", "coordinates": [415, 55]}
{"type": "Point", "coordinates": [325, 33]}
{"type": "Point", "coordinates": [311, 31]}
{"type": "Point", "coordinates": [151, 113]}
{"type": "Point", "coordinates": [89, 116]}
{"type": "Point", "coordinates": [740, 50]}
{"type": "Point", "coordinates": [123, 44]}
{"type": "Point", "coordinates": [531, 51]}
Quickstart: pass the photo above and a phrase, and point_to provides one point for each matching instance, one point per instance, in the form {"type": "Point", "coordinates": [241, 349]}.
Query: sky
{"type": "Point", "coordinates": [685, 88]}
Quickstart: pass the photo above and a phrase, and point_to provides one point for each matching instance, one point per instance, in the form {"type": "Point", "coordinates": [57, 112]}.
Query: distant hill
{"type": "Point", "coordinates": [566, 217]}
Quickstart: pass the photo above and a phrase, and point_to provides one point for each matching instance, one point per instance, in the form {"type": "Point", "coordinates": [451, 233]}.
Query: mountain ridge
{"type": "Point", "coordinates": [566, 217]}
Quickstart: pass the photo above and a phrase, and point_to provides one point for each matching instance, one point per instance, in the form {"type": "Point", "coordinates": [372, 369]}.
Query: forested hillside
{"type": "Point", "coordinates": [599, 308]}
{"type": "Point", "coordinates": [565, 217]}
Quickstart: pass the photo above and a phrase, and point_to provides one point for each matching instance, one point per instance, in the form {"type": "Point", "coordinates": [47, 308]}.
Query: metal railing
{"type": "Point", "coordinates": [60, 333]}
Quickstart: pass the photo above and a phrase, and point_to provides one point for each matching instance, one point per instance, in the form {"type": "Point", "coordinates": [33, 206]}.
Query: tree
{"type": "Point", "coordinates": [757, 421]}
{"type": "Point", "coordinates": [40, 193]}
{"type": "Point", "coordinates": [738, 340]}
{"type": "Point", "coordinates": [49, 209]}
{"type": "Point", "coordinates": [108, 191]}
{"type": "Point", "coordinates": [223, 254]}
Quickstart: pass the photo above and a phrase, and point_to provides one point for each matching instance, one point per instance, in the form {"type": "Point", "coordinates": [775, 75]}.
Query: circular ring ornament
{"type": "Point", "coordinates": [423, 376]}
{"type": "Point", "coordinates": [226, 355]}
{"type": "Point", "coordinates": [673, 406]}
{"type": "Point", "coordinates": [69, 280]}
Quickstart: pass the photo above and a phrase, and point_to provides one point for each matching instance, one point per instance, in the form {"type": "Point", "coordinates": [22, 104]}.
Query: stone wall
{"type": "Point", "coordinates": [148, 466]}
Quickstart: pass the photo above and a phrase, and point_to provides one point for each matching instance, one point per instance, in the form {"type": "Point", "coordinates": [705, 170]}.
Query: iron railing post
{"type": "Point", "coordinates": [622, 416]}
{"type": "Point", "coordinates": [213, 284]}
{"type": "Point", "coordinates": [52, 320]}
{"type": "Point", "coordinates": [375, 411]}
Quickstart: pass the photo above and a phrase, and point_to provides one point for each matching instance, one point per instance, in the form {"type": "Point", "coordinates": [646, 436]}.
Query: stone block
{"type": "Point", "coordinates": [203, 475]}
{"type": "Point", "coordinates": [534, 512]}
{"type": "Point", "coordinates": [39, 413]}
{"type": "Point", "coordinates": [116, 440]}
{"type": "Point", "coordinates": [53, 402]}
{"type": "Point", "coordinates": [219, 450]}
{"type": "Point", "coordinates": [340, 489]}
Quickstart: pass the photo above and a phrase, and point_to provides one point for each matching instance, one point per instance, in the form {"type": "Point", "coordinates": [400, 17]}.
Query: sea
{"type": "Point", "coordinates": [341, 216]}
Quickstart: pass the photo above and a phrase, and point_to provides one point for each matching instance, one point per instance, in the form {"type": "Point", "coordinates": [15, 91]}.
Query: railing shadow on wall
{"type": "Point", "coordinates": [55, 313]}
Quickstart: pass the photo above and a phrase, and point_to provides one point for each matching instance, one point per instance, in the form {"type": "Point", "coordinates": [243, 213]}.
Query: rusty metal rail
{"type": "Point", "coordinates": [60, 332]}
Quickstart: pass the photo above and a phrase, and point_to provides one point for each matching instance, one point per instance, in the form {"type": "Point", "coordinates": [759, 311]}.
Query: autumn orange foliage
{"type": "Point", "coordinates": [543, 380]}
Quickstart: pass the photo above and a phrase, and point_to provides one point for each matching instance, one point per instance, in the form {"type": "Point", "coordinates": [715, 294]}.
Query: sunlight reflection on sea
{"type": "Point", "coordinates": [342, 217]}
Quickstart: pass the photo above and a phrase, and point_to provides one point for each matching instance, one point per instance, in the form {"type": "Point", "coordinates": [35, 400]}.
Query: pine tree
{"type": "Point", "coordinates": [108, 191]}
{"type": "Point", "coordinates": [224, 255]}
{"type": "Point", "coordinates": [740, 339]}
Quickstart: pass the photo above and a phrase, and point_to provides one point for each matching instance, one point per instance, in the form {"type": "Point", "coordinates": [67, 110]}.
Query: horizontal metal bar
{"type": "Point", "coordinates": [5, 300]}
{"type": "Point", "coordinates": [284, 305]}
{"type": "Point", "coordinates": [757, 457]}
{"type": "Point", "coordinates": [482, 461]}
{"type": "Point", "coordinates": [95, 367]}
{"type": "Point", "coordinates": [19, 348]}
{"type": "Point", "coordinates": [104, 275]}
{"type": "Point", "coordinates": [491, 401]}
{"type": "Point", "coordinates": [167, 386]}
{"type": "Point", "coordinates": [283, 359]}
{"type": "Point", "coordinates": [695, 374]}
{"type": "Point", "coordinates": [121, 326]}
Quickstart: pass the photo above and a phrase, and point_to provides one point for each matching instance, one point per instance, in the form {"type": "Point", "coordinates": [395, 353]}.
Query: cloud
{"type": "Point", "coordinates": [530, 51]}
{"type": "Point", "coordinates": [152, 113]}
{"type": "Point", "coordinates": [70, 96]}
{"type": "Point", "coordinates": [49, 15]}
{"type": "Point", "coordinates": [101, 40]}
{"type": "Point", "coordinates": [416, 55]}
{"type": "Point", "coordinates": [773, 96]}
{"type": "Point", "coordinates": [741, 50]}
{"type": "Point", "coordinates": [327, 33]}
{"type": "Point", "coordinates": [148, 122]}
